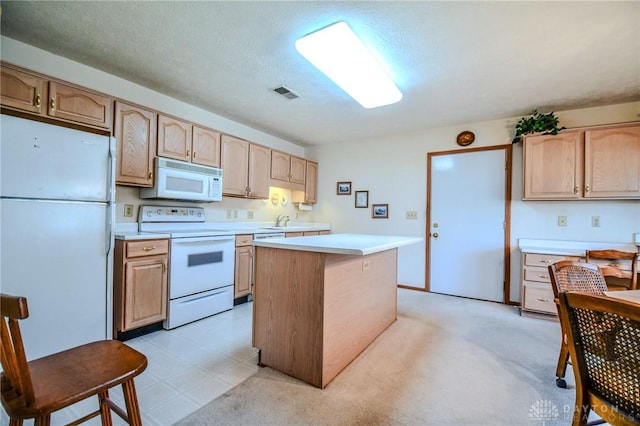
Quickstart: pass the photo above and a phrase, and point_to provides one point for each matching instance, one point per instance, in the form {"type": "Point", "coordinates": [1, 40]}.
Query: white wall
{"type": "Point", "coordinates": [393, 169]}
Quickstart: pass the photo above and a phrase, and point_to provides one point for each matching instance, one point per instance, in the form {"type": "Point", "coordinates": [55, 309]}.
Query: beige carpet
{"type": "Point", "coordinates": [445, 361]}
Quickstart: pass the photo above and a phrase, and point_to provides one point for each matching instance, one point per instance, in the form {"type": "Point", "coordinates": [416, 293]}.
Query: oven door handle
{"type": "Point", "coordinates": [201, 241]}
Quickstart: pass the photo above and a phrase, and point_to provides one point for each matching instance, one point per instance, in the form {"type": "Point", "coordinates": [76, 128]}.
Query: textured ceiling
{"type": "Point", "coordinates": [455, 62]}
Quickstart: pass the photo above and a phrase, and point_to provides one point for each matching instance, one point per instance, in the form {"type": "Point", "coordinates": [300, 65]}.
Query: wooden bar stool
{"type": "Point", "coordinates": [35, 389]}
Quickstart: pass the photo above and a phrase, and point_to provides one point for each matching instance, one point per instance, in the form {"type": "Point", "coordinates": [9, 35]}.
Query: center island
{"type": "Point", "coordinates": [319, 301]}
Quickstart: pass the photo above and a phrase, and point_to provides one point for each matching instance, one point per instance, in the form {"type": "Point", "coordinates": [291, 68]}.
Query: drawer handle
{"type": "Point", "coordinates": [545, 261]}
{"type": "Point", "coordinates": [543, 276]}
{"type": "Point", "coordinates": [149, 248]}
{"type": "Point", "coordinates": [541, 299]}
{"type": "Point", "coordinates": [614, 265]}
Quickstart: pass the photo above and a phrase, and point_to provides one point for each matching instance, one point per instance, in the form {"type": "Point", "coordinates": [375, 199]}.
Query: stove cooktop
{"type": "Point", "coordinates": [185, 233]}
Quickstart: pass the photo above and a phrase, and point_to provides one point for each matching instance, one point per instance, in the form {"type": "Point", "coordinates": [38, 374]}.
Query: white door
{"type": "Point", "coordinates": [466, 211]}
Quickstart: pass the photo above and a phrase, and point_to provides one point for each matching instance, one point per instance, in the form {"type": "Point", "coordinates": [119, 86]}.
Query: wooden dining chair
{"type": "Point", "coordinates": [570, 275]}
{"type": "Point", "coordinates": [621, 278]}
{"type": "Point", "coordinates": [604, 342]}
{"type": "Point", "coordinates": [37, 388]}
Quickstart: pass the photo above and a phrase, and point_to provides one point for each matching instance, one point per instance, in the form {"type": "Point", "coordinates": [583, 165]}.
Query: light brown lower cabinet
{"type": "Point", "coordinates": [243, 280]}
{"type": "Point", "coordinates": [139, 283]}
{"type": "Point", "coordinates": [537, 294]}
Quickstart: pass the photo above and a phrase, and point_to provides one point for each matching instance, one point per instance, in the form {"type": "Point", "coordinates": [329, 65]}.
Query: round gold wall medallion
{"type": "Point", "coordinates": [465, 138]}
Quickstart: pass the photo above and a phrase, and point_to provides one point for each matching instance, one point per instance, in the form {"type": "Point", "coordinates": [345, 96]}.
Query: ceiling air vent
{"type": "Point", "coordinates": [285, 92]}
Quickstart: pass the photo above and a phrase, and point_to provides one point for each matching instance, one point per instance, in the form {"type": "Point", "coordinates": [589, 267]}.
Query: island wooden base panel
{"type": "Point", "coordinates": [316, 312]}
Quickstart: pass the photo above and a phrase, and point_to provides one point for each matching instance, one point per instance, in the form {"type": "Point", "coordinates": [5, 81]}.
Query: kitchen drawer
{"type": "Point", "coordinates": [535, 259]}
{"type": "Point", "coordinates": [147, 248]}
{"type": "Point", "coordinates": [539, 299]}
{"type": "Point", "coordinates": [535, 273]}
{"type": "Point", "coordinates": [244, 240]}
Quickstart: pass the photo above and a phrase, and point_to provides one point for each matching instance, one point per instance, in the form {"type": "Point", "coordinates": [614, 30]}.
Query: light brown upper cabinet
{"type": "Point", "coordinates": [181, 140]}
{"type": "Point", "coordinates": [35, 94]}
{"type": "Point", "coordinates": [246, 168]}
{"type": "Point", "coordinates": [310, 193]}
{"type": "Point", "coordinates": [205, 146]}
{"type": "Point", "coordinates": [23, 91]}
{"type": "Point", "coordinates": [311, 183]}
{"type": "Point", "coordinates": [287, 171]}
{"type": "Point", "coordinates": [612, 163]}
{"type": "Point", "coordinates": [174, 138]}
{"type": "Point", "coordinates": [595, 163]}
{"type": "Point", "coordinates": [135, 132]}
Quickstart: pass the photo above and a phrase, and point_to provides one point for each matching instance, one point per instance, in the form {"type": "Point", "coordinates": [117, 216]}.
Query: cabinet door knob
{"type": "Point", "coordinates": [194, 154]}
{"type": "Point", "coordinates": [587, 189]}
{"type": "Point", "coordinates": [37, 100]}
{"type": "Point", "coordinates": [52, 104]}
{"type": "Point", "coordinates": [576, 189]}
{"type": "Point", "coordinates": [187, 153]}
{"type": "Point", "coordinates": [435, 235]}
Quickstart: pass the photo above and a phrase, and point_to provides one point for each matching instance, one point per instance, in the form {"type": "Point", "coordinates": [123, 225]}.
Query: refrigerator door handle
{"type": "Point", "coordinates": [111, 202]}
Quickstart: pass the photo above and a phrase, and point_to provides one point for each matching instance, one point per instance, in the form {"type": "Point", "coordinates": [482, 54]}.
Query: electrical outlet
{"type": "Point", "coordinates": [229, 214]}
{"type": "Point", "coordinates": [128, 210]}
{"type": "Point", "coordinates": [249, 214]}
{"type": "Point", "coordinates": [412, 214]}
{"type": "Point", "coordinates": [595, 221]}
{"type": "Point", "coordinates": [562, 221]}
{"type": "Point", "coordinates": [365, 265]}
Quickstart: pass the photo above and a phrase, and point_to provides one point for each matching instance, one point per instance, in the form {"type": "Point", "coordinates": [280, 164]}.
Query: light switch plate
{"type": "Point", "coordinates": [412, 214]}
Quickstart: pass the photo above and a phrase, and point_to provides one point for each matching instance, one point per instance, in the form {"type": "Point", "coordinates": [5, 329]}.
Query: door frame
{"type": "Point", "coordinates": [507, 215]}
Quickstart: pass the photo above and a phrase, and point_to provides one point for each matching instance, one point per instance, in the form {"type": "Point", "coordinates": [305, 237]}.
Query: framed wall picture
{"type": "Point", "coordinates": [362, 199]}
{"type": "Point", "coordinates": [380, 211]}
{"type": "Point", "coordinates": [343, 188]}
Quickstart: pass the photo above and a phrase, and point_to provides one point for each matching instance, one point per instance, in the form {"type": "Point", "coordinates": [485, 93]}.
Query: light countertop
{"type": "Point", "coordinates": [129, 230]}
{"type": "Point", "coordinates": [352, 244]}
{"type": "Point", "coordinates": [570, 248]}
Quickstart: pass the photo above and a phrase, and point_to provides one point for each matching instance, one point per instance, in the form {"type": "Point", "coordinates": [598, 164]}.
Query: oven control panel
{"type": "Point", "coordinates": [171, 214]}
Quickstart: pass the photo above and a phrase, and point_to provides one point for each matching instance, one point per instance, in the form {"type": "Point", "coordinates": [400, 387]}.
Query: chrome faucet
{"type": "Point", "coordinates": [281, 218]}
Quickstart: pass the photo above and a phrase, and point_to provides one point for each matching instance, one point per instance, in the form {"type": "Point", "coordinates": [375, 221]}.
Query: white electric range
{"type": "Point", "coordinates": [201, 262]}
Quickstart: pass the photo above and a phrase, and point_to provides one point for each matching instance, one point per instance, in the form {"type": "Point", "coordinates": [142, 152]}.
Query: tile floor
{"type": "Point", "coordinates": [188, 367]}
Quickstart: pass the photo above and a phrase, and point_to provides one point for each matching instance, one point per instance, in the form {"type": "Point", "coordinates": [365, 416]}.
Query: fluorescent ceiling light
{"type": "Point", "coordinates": [339, 53]}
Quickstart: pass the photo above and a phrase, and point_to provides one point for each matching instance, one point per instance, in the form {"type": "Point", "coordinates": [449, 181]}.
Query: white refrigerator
{"type": "Point", "coordinates": [56, 231]}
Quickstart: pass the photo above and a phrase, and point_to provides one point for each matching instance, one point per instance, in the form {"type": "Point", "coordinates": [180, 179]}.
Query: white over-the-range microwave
{"type": "Point", "coordinates": [179, 180]}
